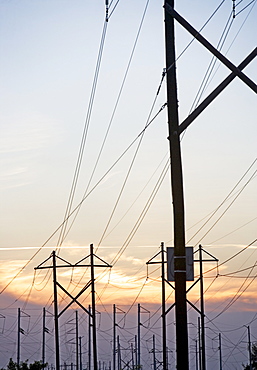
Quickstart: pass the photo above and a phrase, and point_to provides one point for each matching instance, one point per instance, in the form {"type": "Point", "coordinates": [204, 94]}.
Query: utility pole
{"type": "Point", "coordinates": [43, 341]}
{"type": "Point", "coordinates": [138, 336]}
{"type": "Point", "coordinates": [177, 194]}
{"type": "Point", "coordinates": [44, 334]}
{"type": "Point", "coordinates": [119, 353]}
{"type": "Point", "coordinates": [200, 346]}
{"type": "Point", "coordinates": [164, 340]}
{"type": "Point", "coordinates": [116, 310]}
{"type": "Point", "coordinates": [19, 337]}
{"type": "Point", "coordinates": [202, 309]}
{"type": "Point", "coordinates": [77, 341]}
{"type": "Point", "coordinates": [220, 351]}
{"type": "Point", "coordinates": [175, 130]}
{"type": "Point", "coordinates": [249, 348]}
{"type": "Point", "coordinates": [80, 354]}
{"type": "Point", "coordinates": [154, 357]}
{"type": "Point", "coordinates": [202, 355]}
{"type": "Point", "coordinates": [196, 356]}
{"type": "Point", "coordinates": [132, 355]}
{"type": "Point", "coordinates": [56, 325]}
{"type": "Point", "coordinates": [136, 348]}
{"type": "Point", "coordinates": [93, 306]}
{"type": "Point", "coordinates": [114, 337]}
{"type": "Point", "coordinates": [89, 338]}
{"type": "Point", "coordinates": [20, 331]}
{"type": "Point", "coordinates": [139, 333]}
{"type": "Point", "coordinates": [74, 299]}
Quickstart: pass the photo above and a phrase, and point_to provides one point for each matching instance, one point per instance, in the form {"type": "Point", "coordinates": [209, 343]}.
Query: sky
{"type": "Point", "coordinates": [48, 58]}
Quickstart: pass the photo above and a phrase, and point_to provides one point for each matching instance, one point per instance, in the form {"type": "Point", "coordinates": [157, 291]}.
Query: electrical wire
{"type": "Point", "coordinates": [235, 37]}
{"type": "Point", "coordinates": [212, 63]}
{"type": "Point", "coordinates": [231, 203]}
{"type": "Point", "coordinates": [113, 112]}
{"type": "Point", "coordinates": [82, 201]}
{"type": "Point", "coordinates": [253, 1]}
{"type": "Point", "coordinates": [127, 175]}
{"type": "Point", "coordinates": [84, 136]}
{"type": "Point", "coordinates": [132, 204]}
{"type": "Point", "coordinates": [232, 232]}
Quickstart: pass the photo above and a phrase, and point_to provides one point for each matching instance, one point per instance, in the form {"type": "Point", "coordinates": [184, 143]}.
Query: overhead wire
{"type": "Point", "coordinates": [84, 135]}
{"type": "Point", "coordinates": [152, 195]}
{"type": "Point", "coordinates": [117, 2]}
{"type": "Point", "coordinates": [114, 109]}
{"type": "Point", "coordinates": [223, 213]}
{"type": "Point", "coordinates": [235, 37]}
{"type": "Point", "coordinates": [231, 232]}
{"type": "Point", "coordinates": [82, 200]}
{"type": "Point", "coordinates": [234, 255]}
{"type": "Point", "coordinates": [212, 63]}
{"type": "Point", "coordinates": [142, 214]}
{"type": "Point", "coordinates": [239, 292]}
{"type": "Point", "coordinates": [204, 25]}
{"type": "Point", "coordinates": [227, 208]}
{"type": "Point", "coordinates": [132, 204]}
{"type": "Point", "coordinates": [114, 7]}
{"type": "Point", "coordinates": [240, 11]}
{"type": "Point", "coordinates": [127, 175]}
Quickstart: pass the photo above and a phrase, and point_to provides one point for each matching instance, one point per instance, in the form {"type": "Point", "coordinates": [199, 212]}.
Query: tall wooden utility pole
{"type": "Point", "coordinates": [164, 339]}
{"type": "Point", "coordinates": [116, 310]}
{"type": "Point", "coordinates": [220, 352]}
{"type": "Point", "coordinates": [77, 341]}
{"type": "Point", "coordinates": [93, 306]}
{"type": "Point", "coordinates": [20, 331]}
{"type": "Point", "coordinates": [202, 310]}
{"type": "Point", "coordinates": [56, 323]}
{"type": "Point", "coordinates": [177, 194]}
{"type": "Point", "coordinates": [44, 335]}
{"type": "Point", "coordinates": [175, 130]}
{"type": "Point", "coordinates": [138, 337]}
{"type": "Point", "coordinates": [114, 338]}
{"type": "Point", "coordinates": [249, 348]}
{"type": "Point", "coordinates": [89, 338]}
{"type": "Point", "coordinates": [19, 336]}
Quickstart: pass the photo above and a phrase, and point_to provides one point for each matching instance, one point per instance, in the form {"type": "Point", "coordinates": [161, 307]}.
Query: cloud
{"type": "Point", "coordinates": [22, 139]}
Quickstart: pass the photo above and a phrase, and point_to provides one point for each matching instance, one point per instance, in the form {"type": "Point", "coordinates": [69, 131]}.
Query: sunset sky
{"type": "Point", "coordinates": [122, 203]}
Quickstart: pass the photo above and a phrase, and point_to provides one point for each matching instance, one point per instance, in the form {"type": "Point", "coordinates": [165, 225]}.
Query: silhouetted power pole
{"type": "Point", "coordinates": [45, 330]}
{"type": "Point", "coordinates": [220, 352]}
{"type": "Point", "coordinates": [20, 331]}
{"type": "Point", "coordinates": [249, 348]}
{"type": "Point", "coordinates": [177, 194]}
{"type": "Point", "coordinates": [163, 261]}
{"type": "Point", "coordinates": [140, 310]}
{"type": "Point", "coordinates": [91, 283]}
{"type": "Point", "coordinates": [175, 130]}
{"type": "Point", "coordinates": [116, 311]}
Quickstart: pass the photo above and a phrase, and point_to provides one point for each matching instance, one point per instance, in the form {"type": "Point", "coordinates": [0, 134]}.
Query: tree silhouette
{"type": "Point", "coordinates": [253, 357]}
{"type": "Point", "coordinates": [37, 365]}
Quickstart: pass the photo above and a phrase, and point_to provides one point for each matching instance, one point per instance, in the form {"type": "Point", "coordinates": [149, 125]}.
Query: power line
{"type": "Point", "coordinates": [226, 198]}
{"type": "Point", "coordinates": [84, 136]}
{"type": "Point", "coordinates": [114, 110]}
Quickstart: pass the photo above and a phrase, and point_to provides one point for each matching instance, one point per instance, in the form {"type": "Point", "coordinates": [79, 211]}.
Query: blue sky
{"type": "Point", "coordinates": [48, 57]}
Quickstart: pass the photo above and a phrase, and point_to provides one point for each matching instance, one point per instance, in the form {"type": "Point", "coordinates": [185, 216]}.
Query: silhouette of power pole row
{"type": "Point", "coordinates": [74, 299]}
